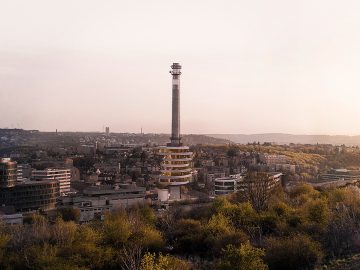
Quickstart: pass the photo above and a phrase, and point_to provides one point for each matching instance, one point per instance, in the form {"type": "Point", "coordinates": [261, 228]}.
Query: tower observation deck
{"type": "Point", "coordinates": [176, 164]}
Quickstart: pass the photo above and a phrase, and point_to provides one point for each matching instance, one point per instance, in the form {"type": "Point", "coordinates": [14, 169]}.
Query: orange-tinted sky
{"type": "Point", "coordinates": [248, 66]}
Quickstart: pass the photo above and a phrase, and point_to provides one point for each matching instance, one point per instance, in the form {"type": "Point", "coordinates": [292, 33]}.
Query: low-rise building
{"type": "Point", "coordinates": [227, 185]}
{"type": "Point", "coordinates": [210, 177]}
{"type": "Point", "coordinates": [95, 201]}
{"type": "Point", "coordinates": [8, 215]}
{"type": "Point", "coordinates": [341, 174]}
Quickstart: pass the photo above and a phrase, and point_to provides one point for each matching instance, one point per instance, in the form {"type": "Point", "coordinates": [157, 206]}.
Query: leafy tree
{"type": "Point", "coordinates": [147, 237]}
{"type": "Point", "coordinates": [163, 262]}
{"type": "Point", "coordinates": [116, 229]}
{"type": "Point", "coordinates": [63, 233]}
{"type": "Point", "coordinates": [4, 240]}
{"type": "Point", "coordinates": [246, 257]}
{"type": "Point", "coordinates": [189, 237]}
{"type": "Point", "coordinates": [302, 194]}
{"type": "Point", "coordinates": [317, 212]}
{"type": "Point", "coordinates": [297, 252]}
{"type": "Point", "coordinates": [145, 213]}
{"type": "Point", "coordinates": [69, 214]}
{"type": "Point", "coordinates": [232, 152]}
{"type": "Point", "coordinates": [218, 225]}
{"type": "Point", "coordinates": [86, 250]}
{"type": "Point", "coordinates": [242, 215]}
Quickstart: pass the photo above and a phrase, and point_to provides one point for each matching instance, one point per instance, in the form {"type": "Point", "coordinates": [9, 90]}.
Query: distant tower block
{"type": "Point", "coordinates": [107, 131]}
{"type": "Point", "coordinates": [176, 168]}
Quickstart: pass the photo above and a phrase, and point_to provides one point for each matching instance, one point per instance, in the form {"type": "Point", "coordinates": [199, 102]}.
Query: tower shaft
{"type": "Point", "coordinates": [175, 123]}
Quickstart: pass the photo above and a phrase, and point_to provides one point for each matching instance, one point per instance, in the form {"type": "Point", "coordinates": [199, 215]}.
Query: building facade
{"type": "Point", "coordinates": [270, 159]}
{"type": "Point", "coordinates": [31, 195]}
{"type": "Point", "coordinates": [341, 174]}
{"type": "Point", "coordinates": [227, 185]}
{"type": "Point", "coordinates": [8, 173]}
{"type": "Point", "coordinates": [97, 200]}
{"type": "Point", "coordinates": [176, 166]}
{"type": "Point", "coordinates": [26, 195]}
{"type": "Point", "coordinates": [63, 176]}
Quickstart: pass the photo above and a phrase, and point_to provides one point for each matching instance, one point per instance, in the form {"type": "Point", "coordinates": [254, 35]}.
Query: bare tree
{"type": "Point", "coordinates": [341, 231]}
{"type": "Point", "coordinates": [131, 257]}
{"type": "Point", "coordinates": [257, 189]}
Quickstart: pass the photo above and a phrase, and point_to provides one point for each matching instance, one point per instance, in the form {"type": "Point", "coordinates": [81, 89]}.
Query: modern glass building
{"type": "Point", "coordinates": [26, 195]}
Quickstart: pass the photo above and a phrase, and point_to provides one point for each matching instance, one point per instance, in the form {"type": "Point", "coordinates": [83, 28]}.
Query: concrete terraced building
{"type": "Point", "coordinates": [176, 168]}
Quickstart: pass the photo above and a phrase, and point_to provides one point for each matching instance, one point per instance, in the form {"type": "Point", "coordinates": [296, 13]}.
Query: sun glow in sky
{"type": "Point", "coordinates": [248, 66]}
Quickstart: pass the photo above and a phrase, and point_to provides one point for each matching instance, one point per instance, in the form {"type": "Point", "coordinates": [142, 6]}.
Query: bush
{"type": "Point", "coordinates": [297, 252]}
{"type": "Point", "coordinates": [246, 257]}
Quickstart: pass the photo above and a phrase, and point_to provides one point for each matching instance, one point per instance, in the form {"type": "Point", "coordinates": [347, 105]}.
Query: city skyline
{"type": "Point", "coordinates": [250, 68]}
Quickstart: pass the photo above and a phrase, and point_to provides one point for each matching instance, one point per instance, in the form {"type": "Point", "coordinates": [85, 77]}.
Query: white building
{"type": "Point", "coordinates": [227, 185]}
{"type": "Point", "coordinates": [210, 177]}
{"type": "Point", "coordinates": [61, 175]}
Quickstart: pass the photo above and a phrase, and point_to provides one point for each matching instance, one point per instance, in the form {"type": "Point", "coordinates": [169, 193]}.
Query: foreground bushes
{"type": "Point", "coordinates": [300, 229]}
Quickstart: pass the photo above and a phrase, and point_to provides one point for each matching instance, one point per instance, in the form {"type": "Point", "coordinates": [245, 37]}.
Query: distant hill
{"type": "Point", "coordinates": [282, 138]}
{"type": "Point", "coordinates": [192, 139]}
{"type": "Point", "coordinates": [14, 137]}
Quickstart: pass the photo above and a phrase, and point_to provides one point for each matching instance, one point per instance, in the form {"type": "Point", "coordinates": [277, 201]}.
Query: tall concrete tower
{"type": "Point", "coordinates": [176, 168]}
{"type": "Point", "coordinates": [175, 124]}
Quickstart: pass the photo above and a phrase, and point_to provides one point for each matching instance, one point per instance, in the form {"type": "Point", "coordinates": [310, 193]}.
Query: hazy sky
{"type": "Point", "coordinates": [248, 66]}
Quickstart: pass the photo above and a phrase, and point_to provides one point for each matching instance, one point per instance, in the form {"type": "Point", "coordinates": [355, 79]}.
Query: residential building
{"type": "Point", "coordinates": [272, 159]}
